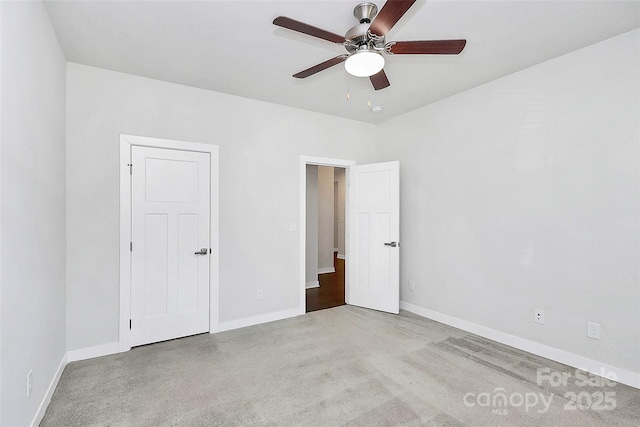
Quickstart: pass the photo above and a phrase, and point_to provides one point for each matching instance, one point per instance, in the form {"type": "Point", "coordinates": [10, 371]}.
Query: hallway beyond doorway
{"type": "Point", "coordinates": [331, 291]}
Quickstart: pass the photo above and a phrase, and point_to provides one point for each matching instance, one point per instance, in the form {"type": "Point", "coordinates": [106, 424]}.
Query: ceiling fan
{"type": "Point", "coordinates": [366, 42]}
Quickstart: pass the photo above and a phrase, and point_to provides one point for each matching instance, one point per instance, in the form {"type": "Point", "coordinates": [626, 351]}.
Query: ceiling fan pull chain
{"type": "Point", "coordinates": [348, 95]}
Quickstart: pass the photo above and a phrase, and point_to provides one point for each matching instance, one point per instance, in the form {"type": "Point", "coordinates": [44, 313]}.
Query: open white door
{"type": "Point", "coordinates": [170, 249]}
{"type": "Point", "coordinates": [374, 234]}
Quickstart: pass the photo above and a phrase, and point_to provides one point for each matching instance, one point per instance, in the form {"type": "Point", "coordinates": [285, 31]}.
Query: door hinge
{"type": "Point", "coordinates": [130, 246]}
{"type": "Point", "coordinates": [130, 168]}
{"type": "Point", "coordinates": [129, 323]}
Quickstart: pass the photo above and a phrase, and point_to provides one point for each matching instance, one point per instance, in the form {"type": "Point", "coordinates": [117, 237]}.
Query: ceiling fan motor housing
{"type": "Point", "coordinates": [358, 35]}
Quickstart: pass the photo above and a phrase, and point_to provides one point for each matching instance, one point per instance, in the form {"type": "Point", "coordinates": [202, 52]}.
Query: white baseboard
{"type": "Point", "coordinates": [326, 270]}
{"type": "Point", "coordinates": [256, 320]}
{"type": "Point", "coordinates": [598, 368]}
{"type": "Point", "coordinates": [311, 285]}
{"type": "Point", "coordinates": [342, 256]}
{"type": "Point", "coordinates": [91, 352]}
{"type": "Point", "coordinates": [113, 348]}
{"type": "Point", "coordinates": [47, 397]}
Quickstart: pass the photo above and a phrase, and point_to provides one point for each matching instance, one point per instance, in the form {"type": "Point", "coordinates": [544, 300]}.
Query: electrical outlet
{"type": "Point", "coordinates": [412, 286]}
{"type": "Point", "coordinates": [29, 382]}
{"type": "Point", "coordinates": [259, 295]}
{"type": "Point", "coordinates": [538, 316]}
{"type": "Point", "coordinates": [593, 330]}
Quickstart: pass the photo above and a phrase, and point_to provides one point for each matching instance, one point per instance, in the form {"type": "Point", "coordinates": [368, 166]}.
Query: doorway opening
{"type": "Point", "coordinates": [325, 237]}
{"type": "Point", "coordinates": [372, 233]}
{"type": "Point", "coordinates": [338, 263]}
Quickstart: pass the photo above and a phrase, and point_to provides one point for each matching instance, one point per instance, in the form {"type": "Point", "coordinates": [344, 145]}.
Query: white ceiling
{"type": "Point", "coordinates": [233, 47]}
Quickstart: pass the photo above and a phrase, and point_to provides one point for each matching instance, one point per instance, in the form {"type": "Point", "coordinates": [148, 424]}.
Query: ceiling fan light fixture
{"type": "Point", "coordinates": [364, 63]}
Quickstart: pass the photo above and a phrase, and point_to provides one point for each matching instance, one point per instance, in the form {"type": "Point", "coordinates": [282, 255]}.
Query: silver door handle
{"type": "Point", "coordinates": [392, 244]}
{"type": "Point", "coordinates": [202, 251]}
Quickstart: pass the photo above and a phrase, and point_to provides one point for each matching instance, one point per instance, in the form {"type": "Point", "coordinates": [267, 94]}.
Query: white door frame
{"type": "Point", "coordinates": [126, 141]}
{"type": "Point", "coordinates": [319, 161]}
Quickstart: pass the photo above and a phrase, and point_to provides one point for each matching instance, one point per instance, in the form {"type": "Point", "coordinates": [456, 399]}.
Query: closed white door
{"type": "Point", "coordinates": [374, 234]}
{"type": "Point", "coordinates": [170, 244]}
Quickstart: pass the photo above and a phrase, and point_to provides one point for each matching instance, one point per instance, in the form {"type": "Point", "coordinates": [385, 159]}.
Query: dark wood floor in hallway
{"type": "Point", "coordinates": [331, 290]}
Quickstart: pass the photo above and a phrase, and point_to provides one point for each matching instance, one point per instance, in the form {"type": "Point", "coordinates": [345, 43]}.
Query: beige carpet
{"type": "Point", "coordinates": [342, 366]}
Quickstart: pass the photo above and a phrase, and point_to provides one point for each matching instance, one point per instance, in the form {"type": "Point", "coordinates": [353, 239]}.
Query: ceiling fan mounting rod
{"type": "Point", "coordinates": [365, 12]}
{"type": "Point", "coordinates": [360, 35]}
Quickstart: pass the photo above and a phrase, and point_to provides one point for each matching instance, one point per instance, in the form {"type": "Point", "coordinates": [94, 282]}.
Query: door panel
{"type": "Point", "coordinates": [374, 280]}
{"type": "Point", "coordinates": [383, 254]}
{"type": "Point", "coordinates": [363, 257]}
{"type": "Point", "coordinates": [171, 180]}
{"type": "Point", "coordinates": [156, 261]}
{"type": "Point", "coordinates": [170, 223]}
{"type": "Point", "coordinates": [188, 239]}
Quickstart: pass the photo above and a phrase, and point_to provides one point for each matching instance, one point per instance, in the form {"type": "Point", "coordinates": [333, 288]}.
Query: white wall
{"type": "Point", "coordinates": [524, 193]}
{"type": "Point", "coordinates": [260, 148]}
{"type": "Point", "coordinates": [340, 177]}
{"type": "Point", "coordinates": [1, 38]}
{"type": "Point", "coordinates": [335, 212]}
{"type": "Point", "coordinates": [33, 208]}
{"type": "Point", "coordinates": [325, 219]}
{"type": "Point", "coordinates": [311, 241]}
{"type": "Point", "coordinates": [1, 95]}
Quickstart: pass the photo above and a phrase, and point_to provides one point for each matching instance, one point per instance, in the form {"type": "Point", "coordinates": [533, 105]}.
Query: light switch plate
{"type": "Point", "coordinates": [290, 227]}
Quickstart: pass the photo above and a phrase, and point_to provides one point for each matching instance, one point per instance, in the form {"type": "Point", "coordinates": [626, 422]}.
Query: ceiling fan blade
{"type": "Point", "coordinates": [390, 13]}
{"type": "Point", "coordinates": [421, 47]}
{"type": "Point", "coordinates": [301, 27]}
{"type": "Point", "coordinates": [379, 80]}
{"type": "Point", "coordinates": [321, 66]}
